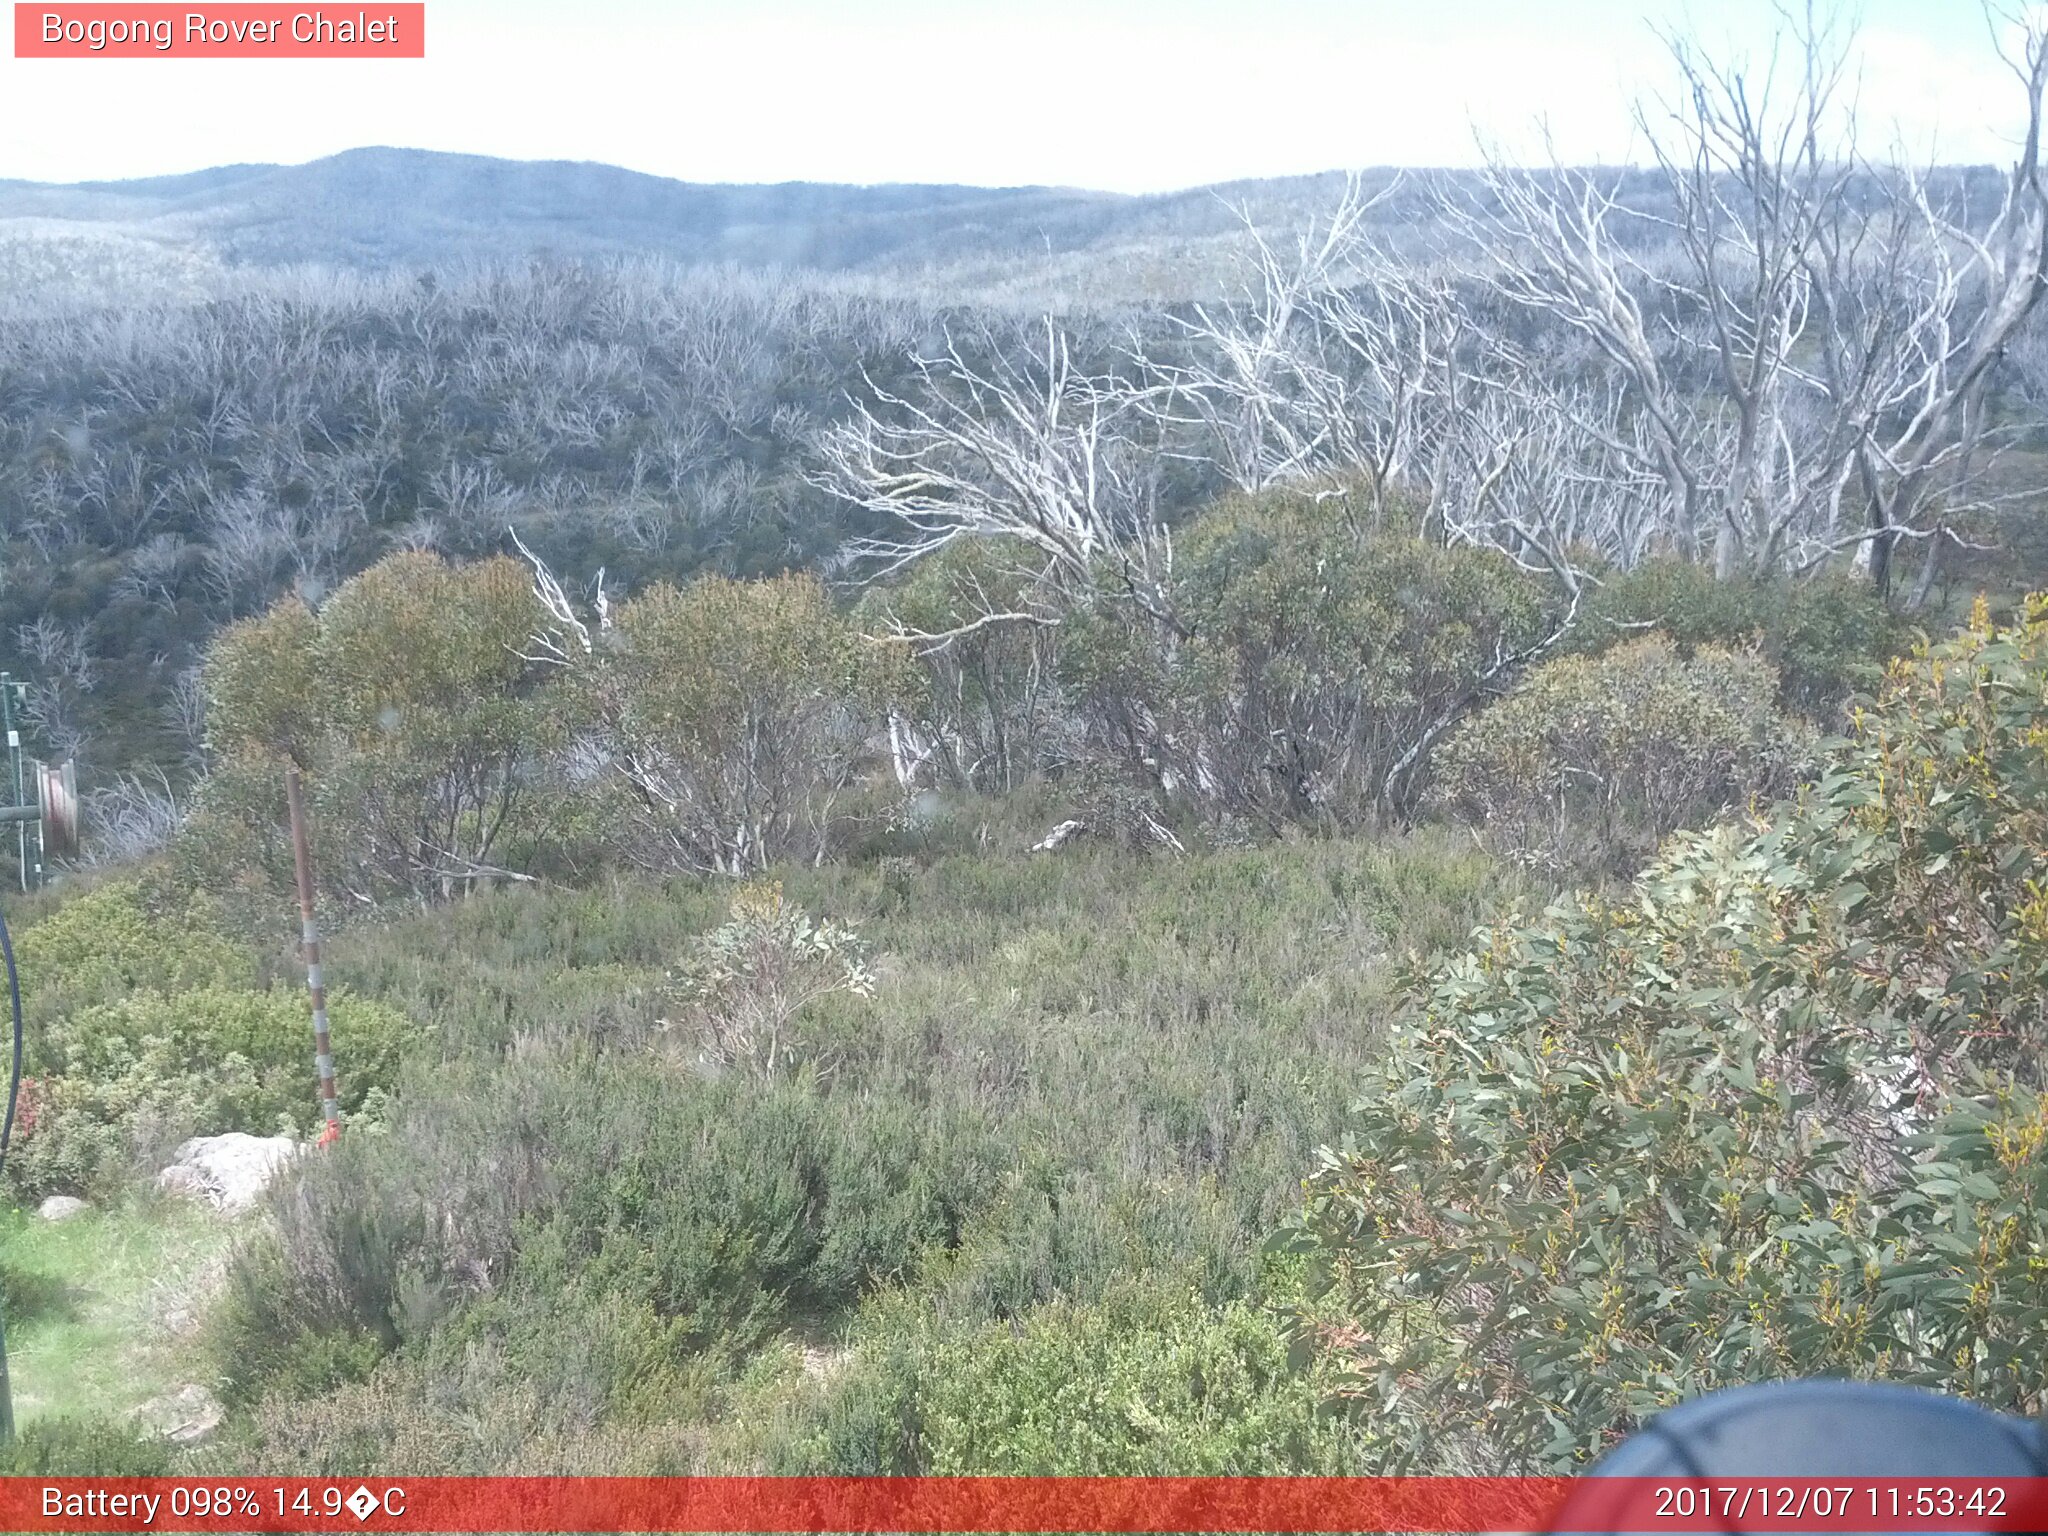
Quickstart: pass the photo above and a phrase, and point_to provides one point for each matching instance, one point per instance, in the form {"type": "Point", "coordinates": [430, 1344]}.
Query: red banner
{"type": "Point", "coordinates": [224, 31]}
{"type": "Point", "coordinates": [979, 1504]}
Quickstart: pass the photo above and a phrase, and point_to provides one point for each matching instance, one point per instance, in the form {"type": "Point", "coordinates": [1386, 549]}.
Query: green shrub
{"type": "Point", "coordinates": [1592, 761]}
{"type": "Point", "coordinates": [1828, 636]}
{"type": "Point", "coordinates": [473, 1417]}
{"type": "Point", "coordinates": [717, 1205]}
{"type": "Point", "coordinates": [737, 765]}
{"type": "Point", "coordinates": [739, 990]}
{"type": "Point", "coordinates": [1312, 663]}
{"type": "Point", "coordinates": [410, 704]}
{"type": "Point", "coordinates": [116, 1086]}
{"type": "Point", "coordinates": [1779, 1115]}
{"type": "Point", "coordinates": [84, 1448]}
{"type": "Point", "coordinates": [301, 1313]}
{"type": "Point", "coordinates": [1074, 1071]}
{"type": "Point", "coordinates": [145, 1026]}
{"type": "Point", "coordinates": [1152, 1379]}
{"type": "Point", "coordinates": [990, 709]}
{"type": "Point", "coordinates": [119, 938]}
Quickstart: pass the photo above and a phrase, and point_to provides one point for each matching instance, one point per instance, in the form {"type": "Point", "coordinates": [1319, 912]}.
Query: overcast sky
{"type": "Point", "coordinates": [1129, 95]}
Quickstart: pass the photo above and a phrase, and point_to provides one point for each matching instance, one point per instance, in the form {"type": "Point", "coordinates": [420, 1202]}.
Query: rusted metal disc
{"type": "Point", "coordinates": [57, 794]}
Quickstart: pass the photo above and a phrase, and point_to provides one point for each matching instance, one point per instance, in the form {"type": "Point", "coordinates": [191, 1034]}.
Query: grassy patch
{"type": "Point", "coordinates": [94, 1304]}
{"type": "Point", "coordinates": [1084, 1089]}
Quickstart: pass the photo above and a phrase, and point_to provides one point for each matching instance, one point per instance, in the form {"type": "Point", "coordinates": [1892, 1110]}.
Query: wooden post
{"type": "Point", "coordinates": [309, 940]}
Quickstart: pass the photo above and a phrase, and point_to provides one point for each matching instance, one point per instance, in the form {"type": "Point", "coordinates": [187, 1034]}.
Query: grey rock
{"type": "Point", "coordinates": [229, 1172]}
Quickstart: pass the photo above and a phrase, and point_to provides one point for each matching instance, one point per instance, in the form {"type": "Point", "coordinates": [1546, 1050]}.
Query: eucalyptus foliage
{"type": "Point", "coordinates": [408, 701]}
{"type": "Point", "coordinates": [741, 986]}
{"type": "Point", "coordinates": [1777, 1113]}
{"type": "Point", "coordinates": [1594, 760]}
{"type": "Point", "coordinates": [1319, 651]}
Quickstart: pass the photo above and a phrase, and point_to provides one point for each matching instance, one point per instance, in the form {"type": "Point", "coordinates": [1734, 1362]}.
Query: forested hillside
{"type": "Point", "coordinates": [169, 470]}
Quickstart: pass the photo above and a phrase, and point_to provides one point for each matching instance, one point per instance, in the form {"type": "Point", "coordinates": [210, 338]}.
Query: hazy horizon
{"type": "Point", "coordinates": [422, 149]}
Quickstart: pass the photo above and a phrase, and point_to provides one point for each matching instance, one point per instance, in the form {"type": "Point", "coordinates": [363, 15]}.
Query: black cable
{"type": "Point", "coordinates": [13, 997]}
{"type": "Point", "coordinates": [7, 1135]}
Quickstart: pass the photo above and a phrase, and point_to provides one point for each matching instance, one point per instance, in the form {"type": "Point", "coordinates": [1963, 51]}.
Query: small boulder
{"type": "Point", "coordinates": [61, 1207]}
{"type": "Point", "coordinates": [228, 1171]}
{"type": "Point", "coordinates": [184, 1417]}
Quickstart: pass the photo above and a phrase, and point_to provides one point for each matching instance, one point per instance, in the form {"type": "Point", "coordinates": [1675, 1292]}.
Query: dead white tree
{"type": "Point", "coordinates": [1249, 381]}
{"type": "Point", "coordinates": [130, 819]}
{"type": "Point", "coordinates": [1029, 452]}
{"type": "Point", "coordinates": [1338, 362]}
{"type": "Point", "coordinates": [1553, 489]}
{"type": "Point", "coordinates": [1804, 337]}
{"type": "Point", "coordinates": [1397, 344]}
{"type": "Point", "coordinates": [61, 664]}
{"type": "Point", "coordinates": [151, 571]}
{"type": "Point", "coordinates": [1331, 358]}
{"type": "Point", "coordinates": [567, 635]}
{"type": "Point", "coordinates": [1000, 447]}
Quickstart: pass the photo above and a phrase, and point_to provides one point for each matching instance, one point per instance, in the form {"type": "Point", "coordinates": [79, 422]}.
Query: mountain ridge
{"type": "Point", "coordinates": [381, 206]}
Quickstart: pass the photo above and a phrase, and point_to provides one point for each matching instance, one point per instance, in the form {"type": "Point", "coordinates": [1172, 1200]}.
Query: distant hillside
{"type": "Point", "coordinates": [379, 208]}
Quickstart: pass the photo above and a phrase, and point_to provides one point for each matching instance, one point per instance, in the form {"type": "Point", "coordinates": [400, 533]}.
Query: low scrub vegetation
{"type": "Point", "coordinates": [701, 989]}
{"type": "Point", "coordinates": [832, 1186]}
{"type": "Point", "coordinates": [907, 1142]}
{"type": "Point", "coordinates": [1826, 638]}
{"type": "Point", "coordinates": [1081, 1099]}
{"type": "Point", "coordinates": [148, 1025]}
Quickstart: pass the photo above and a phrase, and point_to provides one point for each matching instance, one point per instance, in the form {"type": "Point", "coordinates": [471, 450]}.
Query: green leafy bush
{"type": "Point", "coordinates": [737, 763]}
{"type": "Point", "coordinates": [146, 1028]}
{"type": "Point", "coordinates": [1152, 1379]}
{"type": "Point", "coordinates": [1310, 664]}
{"type": "Point", "coordinates": [1780, 1114]}
{"type": "Point", "coordinates": [741, 987]}
{"type": "Point", "coordinates": [410, 704]}
{"type": "Point", "coordinates": [990, 710]}
{"type": "Point", "coordinates": [1592, 761]}
{"type": "Point", "coordinates": [116, 1086]}
{"type": "Point", "coordinates": [1828, 636]}
{"type": "Point", "coordinates": [125, 936]}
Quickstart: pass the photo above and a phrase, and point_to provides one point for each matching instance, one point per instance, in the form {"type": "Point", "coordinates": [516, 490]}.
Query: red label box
{"type": "Point", "coordinates": [226, 31]}
{"type": "Point", "coordinates": [395, 1506]}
